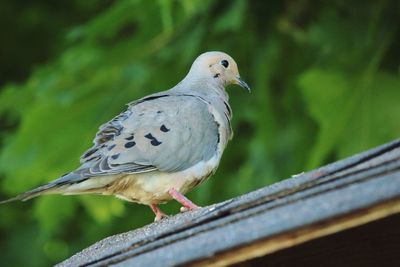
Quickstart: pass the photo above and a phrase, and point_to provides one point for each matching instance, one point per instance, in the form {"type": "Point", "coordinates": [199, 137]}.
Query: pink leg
{"type": "Point", "coordinates": [182, 199]}
{"type": "Point", "coordinates": [159, 214]}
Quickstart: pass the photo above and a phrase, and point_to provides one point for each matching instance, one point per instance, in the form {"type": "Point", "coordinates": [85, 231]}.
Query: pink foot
{"type": "Point", "coordinates": [186, 203]}
{"type": "Point", "coordinates": [159, 214]}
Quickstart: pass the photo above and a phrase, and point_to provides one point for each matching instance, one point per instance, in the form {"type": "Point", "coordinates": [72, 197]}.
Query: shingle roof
{"type": "Point", "coordinates": [344, 194]}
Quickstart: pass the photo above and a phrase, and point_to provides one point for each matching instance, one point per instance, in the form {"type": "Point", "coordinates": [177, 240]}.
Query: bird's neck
{"type": "Point", "coordinates": [204, 86]}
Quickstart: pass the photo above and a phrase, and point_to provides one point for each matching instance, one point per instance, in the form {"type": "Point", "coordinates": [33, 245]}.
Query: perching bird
{"type": "Point", "coordinates": [163, 145]}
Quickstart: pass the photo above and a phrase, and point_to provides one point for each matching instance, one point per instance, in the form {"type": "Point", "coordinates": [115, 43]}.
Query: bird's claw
{"type": "Point", "coordinates": [161, 216]}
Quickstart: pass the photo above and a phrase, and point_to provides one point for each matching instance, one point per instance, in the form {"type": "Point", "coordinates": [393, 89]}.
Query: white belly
{"type": "Point", "coordinates": [153, 187]}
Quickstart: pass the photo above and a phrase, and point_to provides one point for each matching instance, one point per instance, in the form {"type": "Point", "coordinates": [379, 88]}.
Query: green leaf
{"type": "Point", "coordinates": [353, 113]}
{"type": "Point", "coordinates": [232, 18]}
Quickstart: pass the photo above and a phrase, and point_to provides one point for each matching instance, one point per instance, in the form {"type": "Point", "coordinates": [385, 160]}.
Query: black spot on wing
{"type": "Point", "coordinates": [130, 144]}
{"type": "Point", "coordinates": [111, 147]}
{"type": "Point", "coordinates": [90, 152]}
{"type": "Point", "coordinates": [91, 158]}
{"type": "Point", "coordinates": [129, 138]}
{"type": "Point", "coordinates": [164, 129]}
{"type": "Point", "coordinates": [153, 141]}
{"type": "Point", "coordinates": [149, 136]}
{"type": "Point", "coordinates": [115, 156]}
{"type": "Point", "coordinates": [159, 111]}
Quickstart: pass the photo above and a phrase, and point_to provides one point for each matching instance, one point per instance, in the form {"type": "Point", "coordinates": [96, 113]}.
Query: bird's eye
{"type": "Point", "coordinates": [225, 63]}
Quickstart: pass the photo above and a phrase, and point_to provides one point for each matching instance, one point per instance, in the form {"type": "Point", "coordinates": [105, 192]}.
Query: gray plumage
{"type": "Point", "coordinates": [180, 131]}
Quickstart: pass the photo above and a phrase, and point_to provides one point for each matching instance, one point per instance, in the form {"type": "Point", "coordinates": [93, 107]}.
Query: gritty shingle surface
{"type": "Point", "coordinates": [340, 188]}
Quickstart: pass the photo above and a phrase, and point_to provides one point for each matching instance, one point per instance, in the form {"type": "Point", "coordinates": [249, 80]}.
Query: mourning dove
{"type": "Point", "coordinates": [163, 145]}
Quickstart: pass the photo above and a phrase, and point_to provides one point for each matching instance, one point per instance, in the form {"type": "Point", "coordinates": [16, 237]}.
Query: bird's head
{"type": "Point", "coordinates": [218, 67]}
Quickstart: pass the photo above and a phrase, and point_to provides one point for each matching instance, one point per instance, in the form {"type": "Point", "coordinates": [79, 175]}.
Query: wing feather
{"type": "Point", "coordinates": [160, 132]}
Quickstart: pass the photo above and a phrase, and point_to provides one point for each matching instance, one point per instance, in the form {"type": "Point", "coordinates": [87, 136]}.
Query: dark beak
{"type": "Point", "coordinates": [243, 84]}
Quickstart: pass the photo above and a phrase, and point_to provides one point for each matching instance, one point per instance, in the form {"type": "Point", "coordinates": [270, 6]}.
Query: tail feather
{"type": "Point", "coordinates": [69, 184]}
{"type": "Point", "coordinates": [72, 183]}
{"type": "Point", "coordinates": [53, 187]}
{"type": "Point", "coordinates": [44, 189]}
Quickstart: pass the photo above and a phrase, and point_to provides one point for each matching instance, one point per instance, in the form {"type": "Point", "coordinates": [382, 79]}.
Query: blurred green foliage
{"type": "Point", "coordinates": [325, 79]}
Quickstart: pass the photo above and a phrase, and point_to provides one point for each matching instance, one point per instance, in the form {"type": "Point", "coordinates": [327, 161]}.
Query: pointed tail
{"type": "Point", "coordinates": [32, 193]}
{"type": "Point", "coordinates": [53, 187]}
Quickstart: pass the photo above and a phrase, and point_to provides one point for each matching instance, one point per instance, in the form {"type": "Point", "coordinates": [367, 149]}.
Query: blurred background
{"type": "Point", "coordinates": [324, 74]}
